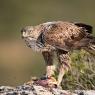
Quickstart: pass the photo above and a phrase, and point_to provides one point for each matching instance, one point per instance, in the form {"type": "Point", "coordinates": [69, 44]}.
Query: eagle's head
{"type": "Point", "coordinates": [31, 34]}
{"type": "Point", "coordinates": [34, 35]}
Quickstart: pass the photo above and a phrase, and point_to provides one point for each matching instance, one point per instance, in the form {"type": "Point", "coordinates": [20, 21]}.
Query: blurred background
{"type": "Point", "coordinates": [18, 62]}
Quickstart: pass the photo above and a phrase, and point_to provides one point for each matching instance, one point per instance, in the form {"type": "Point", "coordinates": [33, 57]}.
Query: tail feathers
{"type": "Point", "coordinates": [88, 28]}
{"type": "Point", "coordinates": [91, 49]}
{"type": "Point", "coordinates": [91, 46]}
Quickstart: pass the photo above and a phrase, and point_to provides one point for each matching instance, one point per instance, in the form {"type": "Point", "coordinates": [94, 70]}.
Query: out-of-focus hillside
{"type": "Point", "coordinates": [18, 62]}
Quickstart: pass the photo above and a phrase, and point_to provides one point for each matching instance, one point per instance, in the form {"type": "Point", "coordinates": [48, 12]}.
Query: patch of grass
{"type": "Point", "coordinates": [82, 73]}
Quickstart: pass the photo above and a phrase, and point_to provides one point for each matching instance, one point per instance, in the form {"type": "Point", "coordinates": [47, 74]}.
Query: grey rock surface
{"type": "Point", "coordinates": [36, 89]}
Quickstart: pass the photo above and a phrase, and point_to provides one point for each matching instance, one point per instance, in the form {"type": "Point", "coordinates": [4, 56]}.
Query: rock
{"type": "Point", "coordinates": [36, 89]}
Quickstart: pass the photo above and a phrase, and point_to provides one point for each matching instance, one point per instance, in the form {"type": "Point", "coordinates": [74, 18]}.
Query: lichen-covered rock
{"type": "Point", "coordinates": [36, 89]}
{"type": "Point", "coordinates": [32, 90]}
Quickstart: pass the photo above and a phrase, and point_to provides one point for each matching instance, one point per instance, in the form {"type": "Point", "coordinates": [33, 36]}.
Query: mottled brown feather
{"type": "Point", "coordinates": [64, 35]}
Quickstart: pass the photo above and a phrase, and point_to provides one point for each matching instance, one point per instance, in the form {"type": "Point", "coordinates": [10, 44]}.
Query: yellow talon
{"type": "Point", "coordinates": [52, 80]}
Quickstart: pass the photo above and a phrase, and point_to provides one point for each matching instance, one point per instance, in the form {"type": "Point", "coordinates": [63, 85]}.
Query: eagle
{"type": "Point", "coordinates": [61, 38]}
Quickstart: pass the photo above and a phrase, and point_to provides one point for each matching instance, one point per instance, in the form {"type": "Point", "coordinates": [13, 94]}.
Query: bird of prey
{"type": "Point", "coordinates": [58, 37]}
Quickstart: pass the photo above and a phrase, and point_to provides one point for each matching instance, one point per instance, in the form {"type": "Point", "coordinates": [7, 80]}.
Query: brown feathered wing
{"type": "Point", "coordinates": [68, 36]}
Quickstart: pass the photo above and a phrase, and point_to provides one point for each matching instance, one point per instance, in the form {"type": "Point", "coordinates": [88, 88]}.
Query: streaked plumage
{"type": "Point", "coordinates": [60, 37]}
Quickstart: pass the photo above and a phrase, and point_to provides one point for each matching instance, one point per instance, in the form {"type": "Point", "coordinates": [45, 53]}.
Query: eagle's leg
{"type": "Point", "coordinates": [64, 64]}
{"type": "Point", "coordinates": [50, 68]}
{"type": "Point", "coordinates": [48, 57]}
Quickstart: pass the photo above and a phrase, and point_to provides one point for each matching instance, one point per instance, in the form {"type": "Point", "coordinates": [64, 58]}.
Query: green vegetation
{"type": "Point", "coordinates": [82, 73]}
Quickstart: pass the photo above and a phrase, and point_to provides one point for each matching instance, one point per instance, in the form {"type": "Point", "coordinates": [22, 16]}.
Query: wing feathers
{"type": "Point", "coordinates": [88, 28]}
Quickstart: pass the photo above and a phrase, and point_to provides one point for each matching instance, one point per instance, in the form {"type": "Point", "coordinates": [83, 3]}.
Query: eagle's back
{"type": "Point", "coordinates": [64, 35]}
